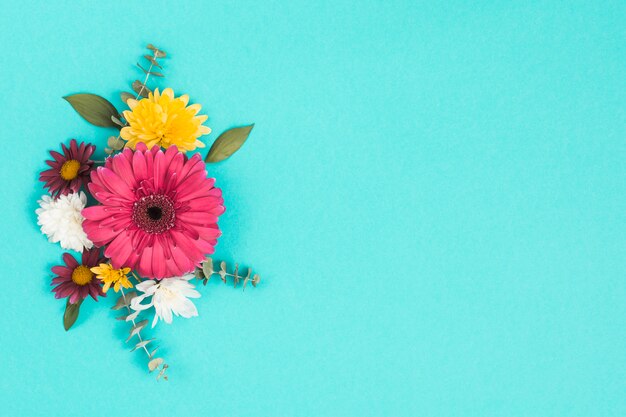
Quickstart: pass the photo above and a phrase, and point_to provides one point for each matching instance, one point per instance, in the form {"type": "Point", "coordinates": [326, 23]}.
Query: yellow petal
{"type": "Point", "coordinates": [194, 108]}
{"type": "Point", "coordinates": [131, 103]}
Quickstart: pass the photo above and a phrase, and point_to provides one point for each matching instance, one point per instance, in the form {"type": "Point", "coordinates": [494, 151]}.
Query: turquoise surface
{"type": "Point", "coordinates": [432, 194]}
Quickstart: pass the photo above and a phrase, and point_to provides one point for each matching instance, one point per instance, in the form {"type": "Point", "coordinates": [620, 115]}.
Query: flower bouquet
{"type": "Point", "coordinates": [145, 219]}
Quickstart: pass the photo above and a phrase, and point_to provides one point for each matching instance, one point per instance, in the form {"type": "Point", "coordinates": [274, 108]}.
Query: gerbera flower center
{"type": "Point", "coordinates": [82, 275]}
{"type": "Point", "coordinates": [69, 170]}
{"type": "Point", "coordinates": [154, 213]}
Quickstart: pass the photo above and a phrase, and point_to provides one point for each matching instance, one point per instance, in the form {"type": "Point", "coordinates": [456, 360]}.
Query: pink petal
{"type": "Point", "coordinates": [69, 260]}
{"type": "Point", "coordinates": [62, 271]}
{"type": "Point", "coordinates": [119, 250]}
{"type": "Point", "coordinates": [145, 262]}
{"type": "Point", "coordinates": [115, 184]}
{"type": "Point", "coordinates": [139, 167]}
{"type": "Point", "coordinates": [95, 213]}
{"type": "Point", "coordinates": [122, 167]}
{"type": "Point", "coordinates": [97, 234]}
{"type": "Point", "coordinates": [158, 261]}
{"type": "Point", "coordinates": [187, 245]}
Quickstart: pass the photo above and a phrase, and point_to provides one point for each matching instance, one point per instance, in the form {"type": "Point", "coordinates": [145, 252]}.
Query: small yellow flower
{"type": "Point", "coordinates": [164, 120]}
{"type": "Point", "coordinates": [108, 275]}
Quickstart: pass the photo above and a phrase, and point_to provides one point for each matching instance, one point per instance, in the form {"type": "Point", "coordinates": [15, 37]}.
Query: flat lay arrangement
{"type": "Point", "coordinates": [143, 222]}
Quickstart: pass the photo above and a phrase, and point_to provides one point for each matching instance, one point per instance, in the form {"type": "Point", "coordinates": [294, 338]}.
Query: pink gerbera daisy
{"type": "Point", "coordinates": [75, 280]}
{"type": "Point", "coordinates": [159, 211]}
{"type": "Point", "coordinates": [70, 170]}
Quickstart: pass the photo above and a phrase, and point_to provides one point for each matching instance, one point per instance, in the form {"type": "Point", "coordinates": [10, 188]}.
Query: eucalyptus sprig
{"type": "Point", "coordinates": [205, 273]}
{"type": "Point", "coordinates": [141, 89]}
{"type": "Point", "coordinates": [99, 111]}
{"type": "Point", "coordinates": [153, 363]}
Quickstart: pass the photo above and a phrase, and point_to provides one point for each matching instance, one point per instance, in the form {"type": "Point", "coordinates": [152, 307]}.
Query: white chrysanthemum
{"type": "Point", "coordinates": [62, 221]}
{"type": "Point", "coordinates": [170, 295]}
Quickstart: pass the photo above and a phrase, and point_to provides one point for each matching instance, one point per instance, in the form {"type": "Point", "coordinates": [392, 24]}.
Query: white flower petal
{"type": "Point", "coordinates": [145, 285]}
{"type": "Point", "coordinates": [61, 220]}
{"type": "Point", "coordinates": [187, 309]}
{"type": "Point", "coordinates": [135, 303]}
{"type": "Point", "coordinates": [169, 298]}
{"type": "Point", "coordinates": [166, 314]}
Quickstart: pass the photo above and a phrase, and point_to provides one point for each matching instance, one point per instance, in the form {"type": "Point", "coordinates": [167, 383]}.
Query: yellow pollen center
{"type": "Point", "coordinates": [69, 170]}
{"type": "Point", "coordinates": [82, 275]}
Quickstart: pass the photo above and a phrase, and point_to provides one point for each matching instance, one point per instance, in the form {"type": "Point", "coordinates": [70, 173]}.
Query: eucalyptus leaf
{"type": "Point", "coordinates": [157, 52]}
{"type": "Point", "coordinates": [154, 364]}
{"type": "Point", "coordinates": [132, 316]}
{"type": "Point", "coordinates": [145, 71]}
{"type": "Point", "coordinates": [115, 143]}
{"type": "Point", "coordinates": [126, 96]}
{"type": "Point", "coordinates": [136, 329]}
{"type": "Point", "coordinates": [255, 280]}
{"type": "Point", "coordinates": [117, 121]}
{"type": "Point", "coordinates": [141, 344]}
{"type": "Point", "coordinates": [207, 268]}
{"type": "Point", "coordinates": [247, 278]}
{"type": "Point", "coordinates": [153, 352]}
{"type": "Point", "coordinates": [141, 89]}
{"type": "Point", "coordinates": [93, 108]}
{"type": "Point", "coordinates": [228, 143]}
{"type": "Point", "coordinates": [124, 301]}
{"type": "Point", "coordinates": [236, 276]}
{"type": "Point", "coordinates": [153, 61]}
{"type": "Point", "coordinates": [71, 314]}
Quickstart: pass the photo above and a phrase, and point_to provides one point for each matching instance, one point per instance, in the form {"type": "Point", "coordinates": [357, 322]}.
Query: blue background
{"type": "Point", "coordinates": [433, 196]}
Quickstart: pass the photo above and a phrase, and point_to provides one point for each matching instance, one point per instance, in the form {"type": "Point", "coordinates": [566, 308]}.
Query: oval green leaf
{"type": "Point", "coordinates": [228, 143]}
{"type": "Point", "coordinates": [93, 108]}
{"type": "Point", "coordinates": [71, 314]}
{"type": "Point", "coordinates": [126, 96]}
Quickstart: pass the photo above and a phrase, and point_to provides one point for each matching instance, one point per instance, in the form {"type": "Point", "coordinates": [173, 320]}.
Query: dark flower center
{"type": "Point", "coordinates": [154, 213]}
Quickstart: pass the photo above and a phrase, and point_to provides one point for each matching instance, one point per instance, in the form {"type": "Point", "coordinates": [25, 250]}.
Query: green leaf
{"type": "Point", "coordinates": [71, 314]}
{"type": "Point", "coordinates": [126, 96]}
{"type": "Point", "coordinates": [255, 280]}
{"type": "Point", "coordinates": [154, 364]}
{"type": "Point", "coordinates": [140, 88]}
{"type": "Point", "coordinates": [228, 143]}
{"type": "Point", "coordinates": [141, 344]}
{"type": "Point", "coordinates": [207, 268]}
{"type": "Point", "coordinates": [93, 108]}
{"type": "Point", "coordinates": [124, 300]}
{"type": "Point", "coordinates": [157, 52]}
{"type": "Point", "coordinates": [136, 329]}
{"type": "Point", "coordinates": [153, 61]}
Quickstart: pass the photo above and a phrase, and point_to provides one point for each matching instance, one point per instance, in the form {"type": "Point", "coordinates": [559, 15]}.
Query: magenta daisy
{"type": "Point", "coordinates": [75, 280]}
{"type": "Point", "coordinates": [159, 211]}
{"type": "Point", "coordinates": [70, 170]}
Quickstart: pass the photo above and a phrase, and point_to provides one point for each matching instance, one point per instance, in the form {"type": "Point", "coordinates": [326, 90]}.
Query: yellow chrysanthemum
{"type": "Point", "coordinates": [108, 275]}
{"type": "Point", "coordinates": [164, 120]}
